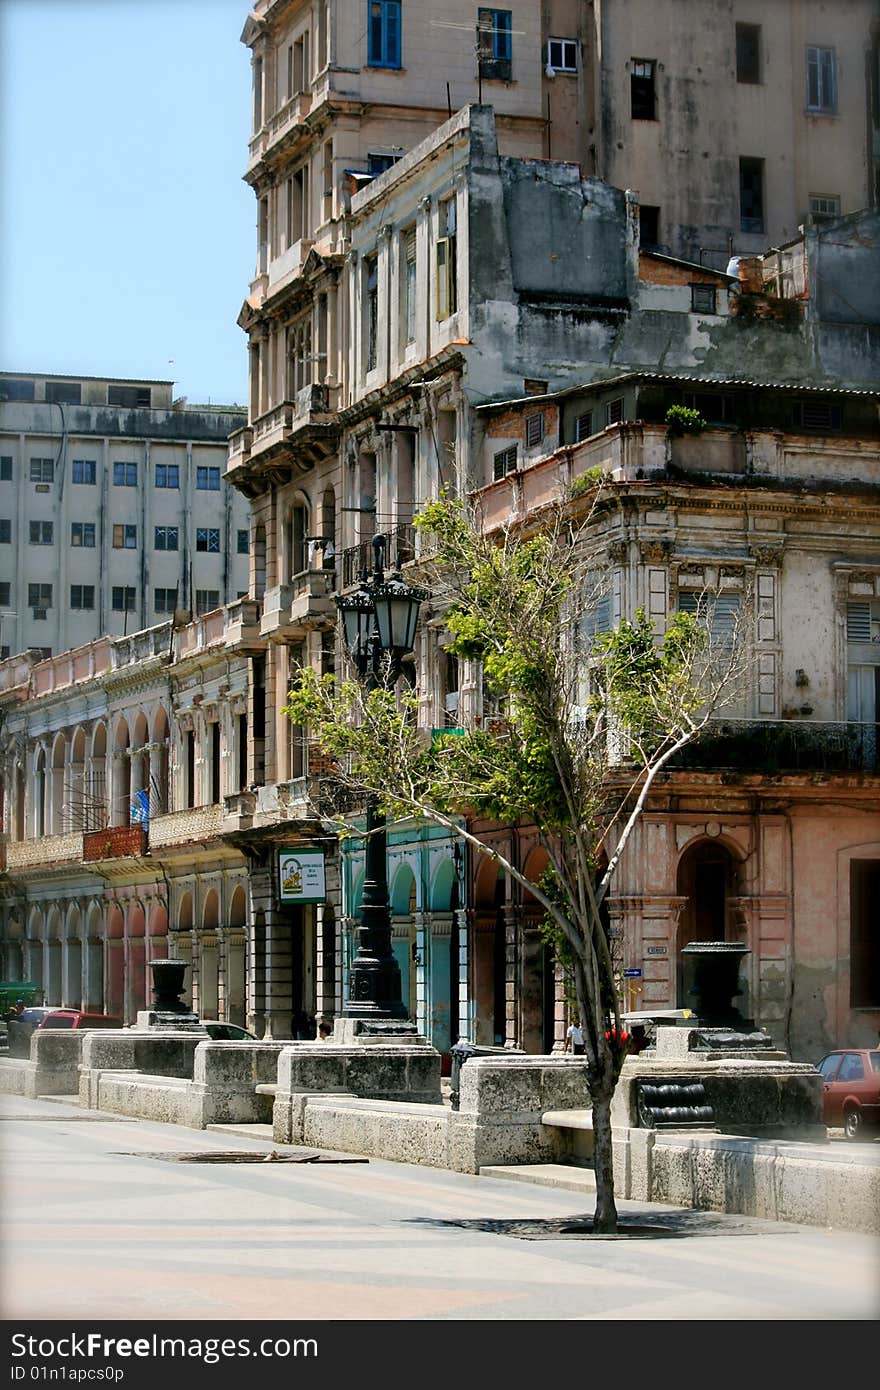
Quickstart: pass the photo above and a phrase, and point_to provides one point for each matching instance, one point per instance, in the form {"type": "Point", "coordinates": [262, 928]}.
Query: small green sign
{"type": "Point", "coordinates": [301, 876]}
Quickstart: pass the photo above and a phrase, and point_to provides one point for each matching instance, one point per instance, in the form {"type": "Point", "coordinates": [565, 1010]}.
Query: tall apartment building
{"type": "Point", "coordinates": [734, 123]}
{"type": "Point", "coordinates": [114, 513]}
{"type": "Point", "coordinates": [413, 266]}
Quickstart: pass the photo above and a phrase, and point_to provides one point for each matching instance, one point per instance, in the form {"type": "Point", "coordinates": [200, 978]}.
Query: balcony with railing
{"type": "Point", "coordinates": [44, 852]}
{"type": "Point", "coordinates": [242, 625]}
{"type": "Point", "coordinates": [186, 827]}
{"type": "Point", "coordinates": [152, 644]}
{"type": "Point", "coordinates": [114, 842]}
{"type": "Point", "coordinates": [302, 431]}
{"type": "Point", "coordinates": [286, 123]}
{"type": "Point", "coordinates": [205, 631]}
{"type": "Point", "coordinates": [239, 447]}
{"type": "Point", "coordinates": [783, 746]}
{"type": "Point", "coordinates": [635, 450]}
{"type": "Point", "coordinates": [291, 610]}
{"type": "Point", "coordinates": [400, 547]}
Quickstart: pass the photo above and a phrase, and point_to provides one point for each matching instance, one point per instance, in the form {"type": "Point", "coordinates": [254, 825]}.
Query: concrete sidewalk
{"type": "Point", "coordinates": [100, 1220]}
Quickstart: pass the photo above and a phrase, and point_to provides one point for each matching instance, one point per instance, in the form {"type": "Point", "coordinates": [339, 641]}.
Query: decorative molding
{"type": "Point", "coordinates": [657, 552]}
{"type": "Point", "coordinates": [767, 554]}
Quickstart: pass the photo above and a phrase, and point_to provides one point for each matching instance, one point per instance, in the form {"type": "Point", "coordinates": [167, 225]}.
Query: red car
{"type": "Point", "coordinates": [852, 1089]}
{"type": "Point", "coordinates": [43, 1017]}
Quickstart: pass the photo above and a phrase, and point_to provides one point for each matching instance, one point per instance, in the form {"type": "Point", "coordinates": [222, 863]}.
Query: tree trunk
{"type": "Point", "coordinates": [605, 1217]}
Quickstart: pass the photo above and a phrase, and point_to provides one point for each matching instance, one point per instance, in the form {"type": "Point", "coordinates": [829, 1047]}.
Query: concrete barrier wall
{"type": "Point", "coordinates": [225, 1078]}
{"type": "Point", "coordinates": [407, 1072]}
{"type": "Point", "coordinates": [161, 1098]}
{"type": "Point", "coordinates": [51, 1069]}
{"type": "Point", "coordinates": [501, 1103]}
{"type": "Point", "coordinates": [125, 1050]}
{"type": "Point", "coordinates": [809, 1184]}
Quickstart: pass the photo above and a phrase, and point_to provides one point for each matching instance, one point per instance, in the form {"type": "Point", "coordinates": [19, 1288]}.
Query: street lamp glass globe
{"type": "Point", "coordinates": [397, 612]}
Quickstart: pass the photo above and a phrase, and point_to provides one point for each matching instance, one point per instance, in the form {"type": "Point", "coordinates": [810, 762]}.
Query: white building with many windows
{"type": "Point", "coordinates": [114, 513]}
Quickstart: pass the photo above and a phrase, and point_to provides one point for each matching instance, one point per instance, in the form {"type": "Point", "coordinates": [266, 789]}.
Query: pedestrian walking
{"type": "Point", "coordinates": [574, 1039]}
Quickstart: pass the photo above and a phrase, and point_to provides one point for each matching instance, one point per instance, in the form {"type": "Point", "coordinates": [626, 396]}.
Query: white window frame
{"type": "Point", "coordinates": [822, 62]}
{"type": "Point", "coordinates": [567, 54]}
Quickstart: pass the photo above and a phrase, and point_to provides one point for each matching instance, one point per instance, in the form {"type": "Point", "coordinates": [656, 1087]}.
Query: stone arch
{"type": "Point", "coordinates": [404, 901]}
{"type": "Point", "coordinates": [543, 1000]}
{"type": "Point", "coordinates": [489, 953]}
{"type": "Point", "coordinates": [183, 940]}
{"type": "Point", "coordinates": [160, 738]}
{"type": "Point", "coordinates": [97, 812]}
{"type": "Point", "coordinates": [402, 885]}
{"type": "Point", "coordinates": [75, 793]}
{"type": "Point", "coordinates": [238, 906]}
{"type": "Point", "coordinates": [33, 949]}
{"type": "Point", "coordinates": [57, 773]}
{"type": "Point", "coordinates": [443, 885]}
{"type": "Point", "coordinates": [93, 972]}
{"type": "Point", "coordinates": [73, 957]}
{"type": "Point", "coordinates": [209, 957]}
{"type": "Point", "coordinates": [120, 789]}
{"type": "Point", "coordinates": [235, 963]}
{"type": "Point", "coordinates": [297, 527]}
{"type": "Point", "coordinates": [19, 783]}
{"type": "Point", "coordinates": [140, 768]}
{"type": "Point", "coordinates": [114, 974]}
{"type": "Point", "coordinates": [54, 962]}
{"type": "Point", "coordinates": [136, 963]}
{"type": "Point", "coordinates": [41, 786]}
{"type": "Point", "coordinates": [328, 527]}
{"type": "Point", "coordinates": [259, 561]}
{"type": "Point", "coordinates": [708, 879]}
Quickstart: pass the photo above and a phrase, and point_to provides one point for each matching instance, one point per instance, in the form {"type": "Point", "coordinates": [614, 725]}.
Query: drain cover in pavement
{"type": "Point", "coordinates": [239, 1156]}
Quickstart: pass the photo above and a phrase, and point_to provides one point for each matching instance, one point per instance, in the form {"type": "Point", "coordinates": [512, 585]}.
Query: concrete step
{"type": "Point", "coordinates": [560, 1175]}
{"type": "Point", "coordinates": [255, 1131]}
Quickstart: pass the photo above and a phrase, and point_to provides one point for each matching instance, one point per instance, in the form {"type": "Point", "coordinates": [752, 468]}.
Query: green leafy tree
{"type": "Point", "coordinates": [629, 701]}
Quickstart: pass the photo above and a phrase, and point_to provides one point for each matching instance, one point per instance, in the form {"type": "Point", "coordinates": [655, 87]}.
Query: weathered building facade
{"type": "Point", "coordinates": [113, 509]}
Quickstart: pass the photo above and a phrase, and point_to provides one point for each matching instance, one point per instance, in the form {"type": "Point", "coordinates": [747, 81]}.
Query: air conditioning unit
{"type": "Point", "coordinates": [40, 614]}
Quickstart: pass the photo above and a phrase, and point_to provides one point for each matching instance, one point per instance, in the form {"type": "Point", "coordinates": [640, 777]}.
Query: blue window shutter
{"type": "Point", "coordinates": [503, 45]}
{"type": "Point", "coordinates": [392, 33]}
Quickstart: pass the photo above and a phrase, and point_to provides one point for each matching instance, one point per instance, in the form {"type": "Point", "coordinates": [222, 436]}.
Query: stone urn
{"type": "Point", "coordinates": [168, 986]}
{"type": "Point", "coordinates": [711, 980]}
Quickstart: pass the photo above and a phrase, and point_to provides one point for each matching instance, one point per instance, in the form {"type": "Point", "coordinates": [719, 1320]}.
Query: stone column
{"type": "Point", "coordinates": [421, 1005]}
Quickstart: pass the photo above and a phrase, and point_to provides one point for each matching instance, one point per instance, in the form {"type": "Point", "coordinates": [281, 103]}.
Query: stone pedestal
{"type": "Point", "coordinates": [349, 1032]}
{"type": "Point", "coordinates": [162, 1020]}
{"type": "Point", "coordinates": [719, 1080]}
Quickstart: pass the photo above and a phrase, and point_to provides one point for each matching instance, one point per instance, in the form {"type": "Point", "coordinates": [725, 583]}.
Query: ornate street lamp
{"type": "Point", "coordinates": [379, 622]}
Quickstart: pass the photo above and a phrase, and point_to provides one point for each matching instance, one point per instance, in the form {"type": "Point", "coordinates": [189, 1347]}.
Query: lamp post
{"type": "Point", "coordinates": [379, 621]}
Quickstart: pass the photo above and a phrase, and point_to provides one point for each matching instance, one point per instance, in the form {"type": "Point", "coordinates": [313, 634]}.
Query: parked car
{"type": "Point", "coordinates": [226, 1032]}
{"type": "Point", "coordinates": [45, 1016]}
{"type": "Point", "coordinates": [852, 1089]}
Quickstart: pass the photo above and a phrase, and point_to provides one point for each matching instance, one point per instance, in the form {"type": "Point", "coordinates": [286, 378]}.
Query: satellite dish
{"type": "Point", "coordinates": [550, 71]}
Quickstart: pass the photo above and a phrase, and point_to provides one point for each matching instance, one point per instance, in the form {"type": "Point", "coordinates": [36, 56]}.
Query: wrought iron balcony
{"type": "Point", "coordinates": [779, 746]}
{"type": "Point", "coordinates": [401, 548]}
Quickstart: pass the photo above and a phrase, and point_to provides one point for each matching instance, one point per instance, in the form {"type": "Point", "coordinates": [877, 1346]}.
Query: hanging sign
{"type": "Point", "coordinates": [301, 876]}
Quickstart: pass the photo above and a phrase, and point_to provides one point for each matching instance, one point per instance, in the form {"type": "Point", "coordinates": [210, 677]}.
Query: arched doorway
{"type": "Point", "coordinates": [73, 959]}
{"type": "Point", "coordinates": [404, 944]}
{"type": "Point", "coordinates": [538, 989]}
{"type": "Point", "coordinates": [209, 959]}
{"type": "Point", "coordinates": [490, 954]}
{"type": "Point", "coordinates": [707, 880]}
{"type": "Point", "coordinates": [235, 1003]}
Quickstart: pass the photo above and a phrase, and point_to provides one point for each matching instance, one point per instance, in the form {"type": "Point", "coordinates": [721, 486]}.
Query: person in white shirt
{"type": "Point", "coordinates": [574, 1039]}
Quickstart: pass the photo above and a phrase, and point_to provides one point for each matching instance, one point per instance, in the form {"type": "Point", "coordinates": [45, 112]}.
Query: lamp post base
{"type": "Point", "coordinates": [347, 1030]}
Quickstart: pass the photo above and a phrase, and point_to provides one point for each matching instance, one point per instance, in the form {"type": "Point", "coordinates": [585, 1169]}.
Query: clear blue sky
{"type": "Point", "coordinates": [126, 233]}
